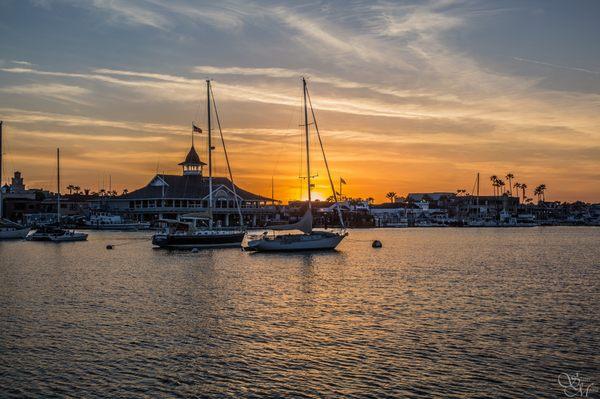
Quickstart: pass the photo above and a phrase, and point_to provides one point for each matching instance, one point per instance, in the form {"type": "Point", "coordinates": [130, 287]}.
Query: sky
{"type": "Point", "coordinates": [410, 96]}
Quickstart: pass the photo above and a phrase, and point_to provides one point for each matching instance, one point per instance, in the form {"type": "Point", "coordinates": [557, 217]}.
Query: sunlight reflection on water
{"type": "Point", "coordinates": [434, 313]}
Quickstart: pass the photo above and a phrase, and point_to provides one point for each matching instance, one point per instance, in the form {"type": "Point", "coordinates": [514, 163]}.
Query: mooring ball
{"type": "Point", "coordinates": [109, 246]}
{"type": "Point", "coordinates": [376, 244]}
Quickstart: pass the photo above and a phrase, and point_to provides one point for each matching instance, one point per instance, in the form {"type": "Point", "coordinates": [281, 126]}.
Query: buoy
{"type": "Point", "coordinates": [377, 244]}
{"type": "Point", "coordinates": [109, 246]}
{"type": "Point", "coordinates": [195, 250]}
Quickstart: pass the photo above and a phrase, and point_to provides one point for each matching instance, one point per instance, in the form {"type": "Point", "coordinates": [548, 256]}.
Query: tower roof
{"type": "Point", "coordinates": [192, 159]}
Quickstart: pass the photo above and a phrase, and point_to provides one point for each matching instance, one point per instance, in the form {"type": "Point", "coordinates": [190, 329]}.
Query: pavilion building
{"type": "Point", "coordinates": [170, 196]}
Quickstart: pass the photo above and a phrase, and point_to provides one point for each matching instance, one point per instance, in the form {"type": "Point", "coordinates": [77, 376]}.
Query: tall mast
{"type": "Point", "coordinates": [1, 200]}
{"type": "Point", "coordinates": [307, 142]}
{"type": "Point", "coordinates": [58, 184]}
{"type": "Point", "coordinates": [210, 201]}
{"type": "Point", "coordinates": [477, 193]}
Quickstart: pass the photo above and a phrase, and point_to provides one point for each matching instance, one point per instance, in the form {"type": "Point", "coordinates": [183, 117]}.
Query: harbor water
{"type": "Point", "coordinates": [433, 313]}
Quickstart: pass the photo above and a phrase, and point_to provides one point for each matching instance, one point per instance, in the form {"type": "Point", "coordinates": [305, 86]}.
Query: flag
{"type": "Point", "coordinates": [343, 181]}
{"type": "Point", "coordinates": [196, 128]}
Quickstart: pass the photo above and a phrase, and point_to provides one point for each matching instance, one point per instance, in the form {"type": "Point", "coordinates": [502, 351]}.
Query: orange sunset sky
{"type": "Point", "coordinates": [409, 96]}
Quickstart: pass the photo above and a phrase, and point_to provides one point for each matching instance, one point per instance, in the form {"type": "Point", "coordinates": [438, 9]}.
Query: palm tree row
{"type": "Point", "coordinates": [498, 187]}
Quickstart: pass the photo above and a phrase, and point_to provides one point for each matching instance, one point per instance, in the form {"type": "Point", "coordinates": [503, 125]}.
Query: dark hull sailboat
{"type": "Point", "coordinates": [201, 239]}
{"type": "Point", "coordinates": [185, 233]}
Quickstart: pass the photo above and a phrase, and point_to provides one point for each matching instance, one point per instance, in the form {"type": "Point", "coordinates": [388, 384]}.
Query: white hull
{"type": "Point", "coordinates": [294, 242]}
{"type": "Point", "coordinates": [7, 234]}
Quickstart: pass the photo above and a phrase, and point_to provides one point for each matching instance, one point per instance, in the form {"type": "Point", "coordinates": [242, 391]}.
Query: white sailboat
{"type": "Point", "coordinates": [56, 234]}
{"type": "Point", "coordinates": [307, 238]}
{"type": "Point", "coordinates": [8, 229]}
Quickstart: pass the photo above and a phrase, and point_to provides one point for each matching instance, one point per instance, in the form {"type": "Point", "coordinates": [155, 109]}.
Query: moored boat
{"type": "Point", "coordinates": [198, 230]}
{"type": "Point", "coordinates": [11, 230]}
{"type": "Point", "coordinates": [307, 238]}
{"type": "Point", "coordinates": [107, 221]}
{"type": "Point", "coordinates": [8, 228]}
{"type": "Point", "coordinates": [56, 233]}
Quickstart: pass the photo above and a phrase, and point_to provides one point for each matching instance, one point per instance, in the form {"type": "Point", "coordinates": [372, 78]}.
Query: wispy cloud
{"type": "Point", "coordinates": [129, 12]}
{"type": "Point", "coordinates": [27, 63]}
{"type": "Point", "coordinates": [55, 91]}
{"type": "Point", "coordinates": [568, 68]}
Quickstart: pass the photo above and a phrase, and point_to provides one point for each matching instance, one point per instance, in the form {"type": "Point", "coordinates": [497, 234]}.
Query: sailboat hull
{"type": "Point", "coordinates": [189, 241]}
{"type": "Point", "coordinates": [295, 242]}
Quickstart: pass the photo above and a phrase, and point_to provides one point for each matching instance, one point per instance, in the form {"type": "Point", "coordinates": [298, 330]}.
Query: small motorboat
{"type": "Point", "coordinates": [12, 230]}
{"type": "Point", "coordinates": [68, 236]}
{"type": "Point", "coordinates": [56, 234]}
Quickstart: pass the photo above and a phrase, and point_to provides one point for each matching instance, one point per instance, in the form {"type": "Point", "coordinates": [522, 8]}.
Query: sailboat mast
{"type": "Point", "coordinates": [307, 142]}
{"type": "Point", "coordinates": [58, 184]}
{"type": "Point", "coordinates": [210, 199]}
{"type": "Point", "coordinates": [1, 200]}
{"type": "Point", "coordinates": [477, 193]}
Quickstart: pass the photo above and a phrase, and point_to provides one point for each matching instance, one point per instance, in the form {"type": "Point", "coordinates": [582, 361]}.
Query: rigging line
{"type": "Point", "coordinates": [325, 160]}
{"type": "Point", "coordinates": [237, 203]}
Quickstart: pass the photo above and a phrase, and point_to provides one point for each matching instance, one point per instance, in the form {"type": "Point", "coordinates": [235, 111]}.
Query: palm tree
{"type": "Point", "coordinates": [543, 191]}
{"type": "Point", "coordinates": [517, 186]}
{"type": "Point", "coordinates": [494, 179]}
{"type": "Point", "coordinates": [86, 191]}
{"type": "Point", "coordinates": [370, 200]}
{"type": "Point", "coordinates": [523, 187]}
{"type": "Point", "coordinates": [102, 192]}
{"type": "Point", "coordinates": [509, 176]}
{"type": "Point", "coordinates": [539, 191]}
{"type": "Point", "coordinates": [501, 184]}
{"type": "Point", "coordinates": [77, 189]}
{"type": "Point", "coordinates": [125, 191]}
{"type": "Point", "coordinates": [391, 196]}
{"type": "Point", "coordinates": [70, 187]}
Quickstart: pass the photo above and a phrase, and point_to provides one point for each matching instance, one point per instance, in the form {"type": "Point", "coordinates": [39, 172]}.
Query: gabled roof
{"type": "Point", "coordinates": [192, 158]}
{"type": "Point", "coordinates": [187, 186]}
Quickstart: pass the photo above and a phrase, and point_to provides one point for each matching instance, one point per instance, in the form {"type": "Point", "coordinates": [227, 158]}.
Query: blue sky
{"type": "Point", "coordinates": [420, 94]}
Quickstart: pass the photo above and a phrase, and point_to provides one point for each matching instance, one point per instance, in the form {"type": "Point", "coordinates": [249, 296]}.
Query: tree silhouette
{"type": "Point", "coordinates": [494, 180]}
{"type": "Point", "coordinates": [391, 196]}
{"type": "Point", "coordinates": [509, 176]}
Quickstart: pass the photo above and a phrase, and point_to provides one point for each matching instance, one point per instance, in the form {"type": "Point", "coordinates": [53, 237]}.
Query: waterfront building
{"type": "Point", "coordinates": [170, 196]}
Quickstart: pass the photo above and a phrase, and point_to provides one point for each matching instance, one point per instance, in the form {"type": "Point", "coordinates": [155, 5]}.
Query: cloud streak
{"type": "Point", "coordinates": [568, 68]}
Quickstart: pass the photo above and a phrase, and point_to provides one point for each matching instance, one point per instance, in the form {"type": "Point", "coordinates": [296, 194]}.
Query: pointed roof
{"type": "Point", "coordinates": [190, 186]}
{"type": "Point", "coordinates": [192, 158]}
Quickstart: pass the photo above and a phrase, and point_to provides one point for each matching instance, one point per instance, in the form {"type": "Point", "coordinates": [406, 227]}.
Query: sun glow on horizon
{"type": "Point", "coordinates": [403, 104]}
